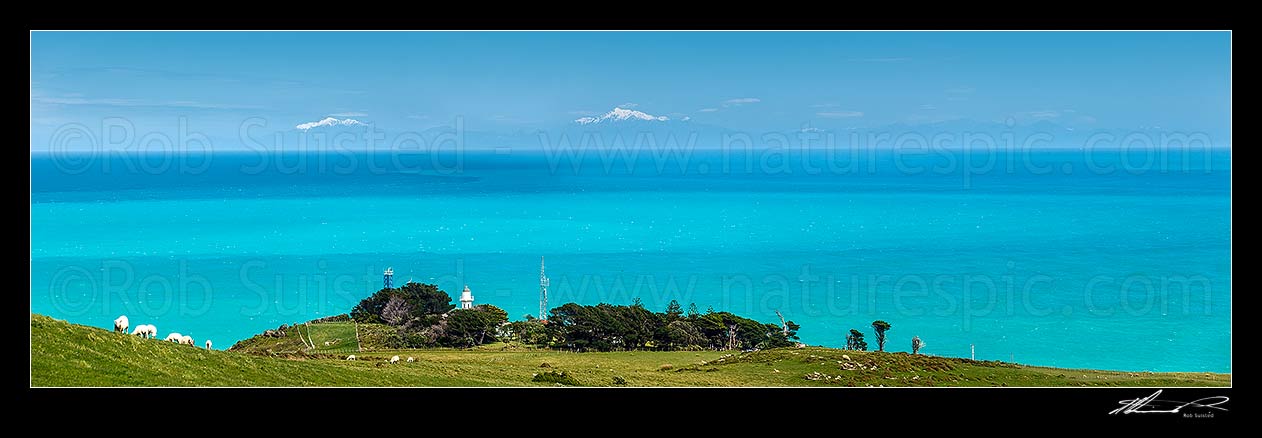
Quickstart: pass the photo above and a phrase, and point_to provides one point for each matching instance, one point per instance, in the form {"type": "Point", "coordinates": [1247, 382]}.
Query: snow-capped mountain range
{"type": "Point", "coordinates": [618, 115]}
{"type": "Point", "coordinates": [328, 121]}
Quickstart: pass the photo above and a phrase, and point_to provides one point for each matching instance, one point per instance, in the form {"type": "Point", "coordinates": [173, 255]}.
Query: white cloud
{"type": "Point", "coordinates": [686, 118]}
{"type": "Point", "coordinates": [840, 114]}
{"type": "Point", "coordinates": [328, 121]}
{"type": "Point", "coordinates": [418, 117]}
{"type": "Point", "coordinates": [707, 110]}
{"type": "Point", "coordinates": [928, 107]}
{"type": "Point", "coordinates": [960, 90]}
{"type": "Point", "coordinates": [1043, 114]}
{"type": "Point", "coordinates": [629, 105]}
{"type": "Point", "coordinates": [582, 113]}
{"type": "Point", "coordinates": [349, 114]}
{"type": "Point", "coordinates": [826, 105]}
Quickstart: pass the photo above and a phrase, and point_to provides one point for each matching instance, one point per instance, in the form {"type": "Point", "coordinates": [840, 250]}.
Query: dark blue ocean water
{"type": "Point", "coordinates": [1101, 259]}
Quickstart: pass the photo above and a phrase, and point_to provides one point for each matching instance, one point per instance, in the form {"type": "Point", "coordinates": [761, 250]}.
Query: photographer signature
{"type": "Point", "coordinates": [1152, 405]}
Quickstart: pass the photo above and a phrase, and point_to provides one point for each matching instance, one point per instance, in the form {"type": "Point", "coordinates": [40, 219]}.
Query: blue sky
{"type": "Point", "coordinates": [744, 80]}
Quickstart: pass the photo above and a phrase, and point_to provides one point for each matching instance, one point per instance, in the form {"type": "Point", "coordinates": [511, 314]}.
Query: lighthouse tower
{"type": "Point", "coordinates": [466, 298]}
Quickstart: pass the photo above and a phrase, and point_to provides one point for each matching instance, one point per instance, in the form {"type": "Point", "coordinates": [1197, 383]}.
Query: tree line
{"type": "Point", "coordinates": [608, 327]}
{"type": "Point", "coordinates": [424, 316]}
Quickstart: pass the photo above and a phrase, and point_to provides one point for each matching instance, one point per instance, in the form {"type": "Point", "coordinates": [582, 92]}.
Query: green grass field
{"type": "Point", "coordinates": [333, 337]}
{"type": "Point", "coordinates": [64, 354]}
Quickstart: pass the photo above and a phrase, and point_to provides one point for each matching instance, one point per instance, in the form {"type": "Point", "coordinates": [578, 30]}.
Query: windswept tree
{"type": "Point", "coordinates": [854, 341]}
{"type": "Point", "coordinates": [880, 327]}
{"type": "Point", "coordinates": [396, 311]}
{"type": "Point", "coordinates": [916, 344]}
{"type": "Point", "coordinates": [425, 302]}
{"type": "Point", "coordinates": [475, 326]}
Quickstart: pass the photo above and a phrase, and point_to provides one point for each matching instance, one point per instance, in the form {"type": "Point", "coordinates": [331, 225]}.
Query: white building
{"type": "Point", "coordinates": [466, 298]}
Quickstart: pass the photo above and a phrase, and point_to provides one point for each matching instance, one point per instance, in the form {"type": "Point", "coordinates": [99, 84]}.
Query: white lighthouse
{"type": "Point", "coordinates": [466, 298]}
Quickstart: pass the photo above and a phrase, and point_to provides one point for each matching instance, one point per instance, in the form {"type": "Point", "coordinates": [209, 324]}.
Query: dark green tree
{"type": "Point", "coordinates": [682, 334]}
{"type": "Point", "coordinates": [530, 332]}
{"type": "Point", "coordinates": [781, 336]}
{"type": "Point", "coordinates": [854, 341]}
{"type": "Point", "coordinates": [470, 327]}
{"type": "Point", "coordinates": [368, 310]}
{"type": "Point", "coordinates": [880, 327]}
{"type": "Point", "coordinates": [426, 299]}
{"type": "Point", "coordinates": [692, 311]}
{"type": "Point", "coordinates": [674, 310]}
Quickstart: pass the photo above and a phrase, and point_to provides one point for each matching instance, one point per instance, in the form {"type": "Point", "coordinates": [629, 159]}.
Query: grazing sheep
{"type": "Point", "coordinates": [146, 331]}
{"type": "Point", "coordinates": [351, 357]}
{"type": "Point", "coordinates": [187, 340]}
{"type": "Point", "coordinates": [394, 359]}
{"type": "Point", "coordinates": [410, 359]}
{"type": "Point", "coordinates": [174, 337]}
{"type": "Point", "coordinates": [208, 344]}
{"type": "Point", "coordinates": [120, 324]}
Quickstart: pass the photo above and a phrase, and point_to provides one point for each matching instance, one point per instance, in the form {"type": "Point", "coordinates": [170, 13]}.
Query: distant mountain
{"type": "Point", "coordinates": [620, 115]}
{"type": "Point", "coordinates": [327, 122]}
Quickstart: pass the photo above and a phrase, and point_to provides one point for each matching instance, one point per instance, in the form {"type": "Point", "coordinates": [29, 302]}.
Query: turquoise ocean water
{"type": "Point", "coordinates": [1112, 260]}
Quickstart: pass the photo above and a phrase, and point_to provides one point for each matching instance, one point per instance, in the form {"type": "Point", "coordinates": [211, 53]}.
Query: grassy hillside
{"type": "Point", "coordinates": [64, 354]}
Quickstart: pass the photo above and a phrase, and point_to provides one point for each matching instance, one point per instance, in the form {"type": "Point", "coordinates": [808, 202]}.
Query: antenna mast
{"type": "Point", "coordinates": [543, 292]}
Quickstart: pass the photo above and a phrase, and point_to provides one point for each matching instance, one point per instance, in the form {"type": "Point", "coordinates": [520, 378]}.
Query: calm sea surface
{"type": "Point", "coordinates": [1105, 260]}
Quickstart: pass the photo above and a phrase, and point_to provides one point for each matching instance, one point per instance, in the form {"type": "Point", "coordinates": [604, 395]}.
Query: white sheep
{"type": "Point", "coordinates": [394, 359]}
{"type": "Point", "coordinates": [410, 359]}
{"type": "Point", "coordinates": [208, 344]}
{"type": "Point", "coordinates": [120, 324]}
{"type": "Point", "coordinates": [187, 340]}
{"type": "Point", "coordinates": [146, 331]}
{"type": "Point", "coordinates": [351, 357]}
{"type": "Point", "coordinates": [175, 337]}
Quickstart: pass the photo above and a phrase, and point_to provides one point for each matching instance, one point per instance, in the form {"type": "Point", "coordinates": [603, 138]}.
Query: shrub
{"type": "Point", "coordinates": [618, 380]}
{"type": "Point", "coordinates": [555, 377]}
{"type": "Point", "coordinates": [545, 365]}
